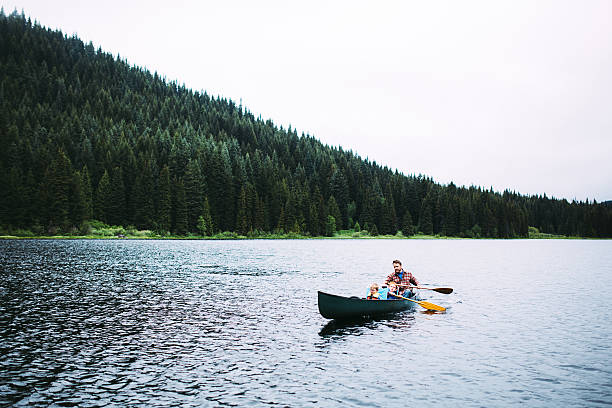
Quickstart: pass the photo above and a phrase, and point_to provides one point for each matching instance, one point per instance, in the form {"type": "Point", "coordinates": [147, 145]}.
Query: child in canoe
{"type": "Point", "coordinates": [373, 295]}
{"type": "Point", "coordinates": [393, 289]}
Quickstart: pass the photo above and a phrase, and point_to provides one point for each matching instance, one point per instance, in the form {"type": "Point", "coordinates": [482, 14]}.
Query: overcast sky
{"type": "Point", "coordinates": [514, 95]}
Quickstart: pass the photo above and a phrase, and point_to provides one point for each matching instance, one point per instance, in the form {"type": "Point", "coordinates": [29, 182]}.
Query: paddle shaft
{"type": "Point", "coordinates": [446, 291]}
{"type": "Point", "coordinates": [426, 305]}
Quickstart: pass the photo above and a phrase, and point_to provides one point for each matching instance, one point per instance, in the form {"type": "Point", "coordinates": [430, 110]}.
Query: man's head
{"type": "Point", "coordinates": [397, 266]}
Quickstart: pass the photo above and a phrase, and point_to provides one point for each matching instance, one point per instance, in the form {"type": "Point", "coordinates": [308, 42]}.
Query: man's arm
{"type": "Point", "coordinates": [389, 278]}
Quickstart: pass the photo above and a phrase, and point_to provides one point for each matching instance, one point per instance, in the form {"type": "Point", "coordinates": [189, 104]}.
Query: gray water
{"type": "Point", "coordinates": [209, 323]}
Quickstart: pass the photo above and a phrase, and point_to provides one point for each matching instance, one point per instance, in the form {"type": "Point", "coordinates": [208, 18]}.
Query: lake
{"type": "Point", "coordinates": [210, 323]}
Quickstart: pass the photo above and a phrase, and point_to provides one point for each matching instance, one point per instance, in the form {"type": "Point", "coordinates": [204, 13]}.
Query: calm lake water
{"type": "Point", "coordinates": [208, 323]}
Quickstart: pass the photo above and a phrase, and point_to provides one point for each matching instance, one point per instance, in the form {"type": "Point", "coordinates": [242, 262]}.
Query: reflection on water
{"type": "Point", "coordinates": [433, 312]}
{"type": "Point", "coordinates": [200, 323]}
{"type": "Point", "coordinates": [360, 325]}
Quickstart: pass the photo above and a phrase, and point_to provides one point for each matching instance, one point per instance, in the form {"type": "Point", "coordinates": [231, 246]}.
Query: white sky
{"type": "Point", "coordinates": [508, 94]}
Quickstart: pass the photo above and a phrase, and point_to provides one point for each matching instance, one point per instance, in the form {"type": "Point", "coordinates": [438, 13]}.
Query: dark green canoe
{"type": "Point", "coordinates": [340, 307]}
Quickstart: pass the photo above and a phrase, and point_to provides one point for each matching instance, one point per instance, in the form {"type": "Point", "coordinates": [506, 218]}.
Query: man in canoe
{"type": "Point", "coordinates": [402, 278]}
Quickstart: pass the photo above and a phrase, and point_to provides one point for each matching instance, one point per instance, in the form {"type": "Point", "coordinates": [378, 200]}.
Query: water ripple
{"type": "Point", "coordinates": [201, 323]}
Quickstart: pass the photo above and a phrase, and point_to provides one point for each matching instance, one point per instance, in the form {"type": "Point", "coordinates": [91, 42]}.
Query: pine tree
{"type": "Point", "coordinates": [413, 201]}
{"type": "Point", "coordinates": [210, 228]}
{"type": "Point", "coordinates": [221, 189]}
{"type": "Point", "coordinates": [407, 229]}
{"type": "Point", "coordinates": [143, 193]}
{"type": "Point", "coordinates": [194, 192]}
{"type": "Point", "coordinates": [260, 214]}
{"type": "Point", "coordinates": [389, 218]}
{"type": "Point", "coordinates": [321, 212]}
{"type": "Point", "coordinates": [426, 222]}
{"type": "Point", "coordinates": [59, 177]}
{"type": "Point", "coordinates": [87, 193]}
{"type": "Point", "coordinates": [313, 220]}
{"type": "Point", "coordinates": [117, 203]}
{"type": "Point", "coordinates": [103, 198]}
{"type": "Point", "coordinates": [371, 208]}
{"type": "Point", "coordinates": [164, 201]}
{"type": "Point", "coordinates": [330, 226]}
{"type": "Point", "coordinates": [242, 224]}
{"type": "Point", "coordinates": [11, 184]}
{"type": "Point", "coordinates": [31, 196]}
{"type": "Point", "coordinates": [338, 187]}
{"type": "Point", "coordinates": [77, 200]}
{"type": "Point", "coordinates": [464, 217]}
{"type": "Point", "coordinates": [202, 226]}
{"type": "Point", "coordinates": [129, 174]}
{"type": "Point", "coordinates": [180, 208]}
{"type": "Point", "coordinates": [333, 210]}
{"type": "Point", "coordinates": [227, 197]}
{"type": "Point", "coordinates": [374, 230]}
{"type": "Point", "coordinates": [450, 222]}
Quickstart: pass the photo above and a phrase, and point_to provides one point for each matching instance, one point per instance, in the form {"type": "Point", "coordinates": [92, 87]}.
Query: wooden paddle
{"type": "Point", "coordinates": [446, 291]}
{"type": "Point", "coordinates": [426, 305]}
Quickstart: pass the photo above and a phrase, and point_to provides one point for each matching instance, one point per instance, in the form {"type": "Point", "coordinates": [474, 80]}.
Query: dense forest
{"type": "Point", "coordinates": [85, 136]}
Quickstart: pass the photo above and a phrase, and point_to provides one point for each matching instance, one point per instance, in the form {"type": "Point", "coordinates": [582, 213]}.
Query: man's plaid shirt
{"type": "Point", "coordinates": [407, 279]}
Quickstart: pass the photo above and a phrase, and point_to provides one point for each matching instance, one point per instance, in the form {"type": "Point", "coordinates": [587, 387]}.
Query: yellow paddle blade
{"type": "Point", "coordinates": [431, 306]}
{"type": "Point", "coordinates": [426, 305]}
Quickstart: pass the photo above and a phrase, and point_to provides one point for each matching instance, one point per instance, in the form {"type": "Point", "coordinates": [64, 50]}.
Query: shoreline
{"type": "Point", "coordinates": [237, 237]}
{"type": "Point", "coordinates": [97, 230]}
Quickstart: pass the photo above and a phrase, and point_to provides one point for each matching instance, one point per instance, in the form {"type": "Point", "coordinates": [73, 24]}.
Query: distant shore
{"type": "Point", "coordinates": [343, 234]}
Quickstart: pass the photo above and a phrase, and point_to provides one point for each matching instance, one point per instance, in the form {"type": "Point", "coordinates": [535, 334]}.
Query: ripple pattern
{"type": "Point", "coordinates": [235, 323]}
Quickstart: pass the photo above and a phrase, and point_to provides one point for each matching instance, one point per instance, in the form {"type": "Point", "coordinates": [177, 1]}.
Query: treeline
{"type": "Point", "coordinates": [85, 136]}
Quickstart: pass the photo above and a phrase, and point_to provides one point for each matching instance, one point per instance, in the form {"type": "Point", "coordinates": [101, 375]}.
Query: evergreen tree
{"type": "Point", "coordinates": [180, 208]}
{"type": "Point", "coordinates": [464, 218]}
{"type": "Point", "coordinates": [143, 193]}
{"type": "Point", "coordinates": [371, 208]}
{"type": "Point", "coordinates": [260, 214]}
{"type": "Point", "coordinates": [59, 176]}
{"type": "Point", "coordinates": [338, 186]}
{"type": "Point", "coordinates": [413, 200]}
{"type": "Point", "coordinates": [78, 202]}
{"type": "Point", "coordinates": [374, 230]}
{"type": "Point", "coordinates": [321, 213]}
{"type": "Point", "coordinates": [117, 202]}
{"type": "Point", "coordinates": [103, 198]}
{"type": "Point", "coordinates": [209, 228]}
{"type": "Point", "coordinates": [313, 220]}
{"type": "Point", "coordinates": [242, 223]}
{"type": "Point", "coordinates": [333, 210]}
{"type": "Point", "coordinates": [13, 204]}
{"type": "Point", "coordinates": [426, 222]}
{"type": "Point", "coordinates": [31, 204]}
{"type": "Point", "coordinates": [87, 193]}
{"type": "Point", "coordinates": [194, 193]}
{"type": "Point", "coordinates": [164, 206]}
{"type": "Point", "coordinates": [407, 229]}
{"type": "Point", "coordinates": [330, 226]}
{"type": "Point", "coordinates": [202, 226]}
{"type": "Point", "coordinates": [389, 218]}
{"type": "Point", "coordinates": [450, 224]}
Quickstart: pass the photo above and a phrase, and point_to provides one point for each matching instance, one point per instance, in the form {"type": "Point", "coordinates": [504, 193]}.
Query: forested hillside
{"type": "Point", "coordinates": [85, 136]}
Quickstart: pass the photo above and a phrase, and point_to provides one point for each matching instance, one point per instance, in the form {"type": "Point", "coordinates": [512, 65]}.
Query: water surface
{"type": "Point", "coordinates": [208, 323]}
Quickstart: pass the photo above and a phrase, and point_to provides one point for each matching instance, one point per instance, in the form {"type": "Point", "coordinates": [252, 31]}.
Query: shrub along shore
{"type": "Point", "coordinates": [98, 230]}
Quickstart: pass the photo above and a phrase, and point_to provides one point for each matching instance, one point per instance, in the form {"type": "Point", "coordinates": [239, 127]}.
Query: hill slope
{"type": "Point", "coordinates": [86, 136]}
